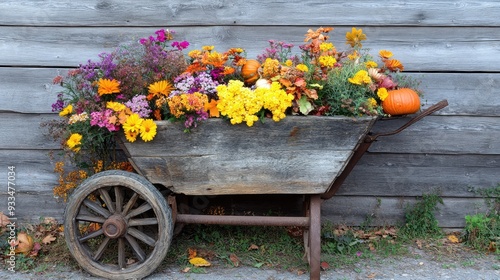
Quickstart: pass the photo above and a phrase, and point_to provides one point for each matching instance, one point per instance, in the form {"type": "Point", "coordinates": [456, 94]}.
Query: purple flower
{"type": "Point", "coordinates": [59, 104]}
{"type": "Point", "coordinates": [160, 35]}
{"type": "Point", "coordinates": [180, 45]}
{"type": "Point", "coordinates": [139, 105]}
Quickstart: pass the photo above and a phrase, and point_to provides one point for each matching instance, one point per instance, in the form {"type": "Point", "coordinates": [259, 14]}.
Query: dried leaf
{"type": "Point", "coordinates": [49, 221]}
{"type": "Point", "coordinates": [324, 266]}
{"type": "Point", "coordinates": [186, 269]}
{"type": "Point", "coordinates": [197, 261]}
{"type": "Point", "coordinates": [234, 259]}
{"type": "Point", "coordinates": [371, 246]}
{"type": "Point", "coordinates": [253, 247]}
{"type": "Point", "coordinates": [131, 261]}
{"type": "Point", "coordinates": [453, 239]}
{"type": "Point", "coordinates": [48, 239]}
{"type": "Point", "coordinates": [371, 275]}
{"type": "Point", "coordinates": [4, 220]}
{"type": "Point", "coordinates": [25, 243]}
{"type": "Point", "coordinates": [492, 247]}
{"type": "Point", "coordinates": [191, 253]}
{"type": "Point", "coordinates": [419, 244]}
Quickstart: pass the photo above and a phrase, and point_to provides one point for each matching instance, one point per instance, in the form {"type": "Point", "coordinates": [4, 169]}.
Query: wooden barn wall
{"type": "Point", "coordinates": [453, 46]}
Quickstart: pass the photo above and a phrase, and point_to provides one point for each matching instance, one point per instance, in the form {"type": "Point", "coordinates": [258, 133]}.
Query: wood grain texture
{"type": "Point", "coordinates": [411, 45]}
{"type": "Point", "coordinates": [195, 13]}
{"type": "Point", "coordinates": [295, 155]}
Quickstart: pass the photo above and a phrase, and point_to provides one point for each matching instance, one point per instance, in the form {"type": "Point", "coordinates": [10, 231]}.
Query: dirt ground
{"type": "Point", "coordinates": [452, 263]}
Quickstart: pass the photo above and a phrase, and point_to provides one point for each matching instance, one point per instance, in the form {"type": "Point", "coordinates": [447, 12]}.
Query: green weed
{"type": "Point", "coordinates": [420, 221]}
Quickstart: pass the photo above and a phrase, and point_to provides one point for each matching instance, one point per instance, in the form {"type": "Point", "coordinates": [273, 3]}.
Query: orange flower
{"type": "Point", "coordinates": [355, 37]}
{"type": "Point", "coordinates": [107, 86]}
{"type": "Point", "coordinates": [159, 88]}
{"type": "Point", "coordinates": [394, 65]}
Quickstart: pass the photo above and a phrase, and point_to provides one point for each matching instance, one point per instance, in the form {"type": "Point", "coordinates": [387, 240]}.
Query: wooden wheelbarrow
{"type": "Point", "coordinates": [134, 214]}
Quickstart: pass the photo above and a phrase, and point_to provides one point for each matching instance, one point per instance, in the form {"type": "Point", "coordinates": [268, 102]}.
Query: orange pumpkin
{"type": "Point", "coordinates": [250, 71]}
{"type": "Point", "coordinates": [401, 101]}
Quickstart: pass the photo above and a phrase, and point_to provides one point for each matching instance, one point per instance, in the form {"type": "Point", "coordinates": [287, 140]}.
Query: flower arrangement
{"type": "Point", "coordinates": [156, 78]}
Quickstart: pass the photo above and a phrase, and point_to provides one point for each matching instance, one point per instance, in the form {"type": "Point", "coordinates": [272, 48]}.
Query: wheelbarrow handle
{"type": "Point", "coordinates": [436, 107]}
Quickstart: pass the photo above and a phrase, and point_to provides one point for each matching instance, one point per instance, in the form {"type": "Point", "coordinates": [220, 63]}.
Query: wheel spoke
{"type": "Point", "coordinates": [136, 248]}
{"type": "Point", "coordinates": [142, 236]}
{"type": "Point", "coordinates": [118, 199]}
{"type": "Point", "coordinates": [142, 222]}
{"type": "Point", "coordinates": [139, 210]}
{"type": "Point", "coordinates": [90, 218]}
{"type": "Point", "coordinates": [130, 203]}
{"type": "Point", "coordinates": [91, 235]}
{"type": "Point", "coordinates": [121, 253]}
{"type": "Point", "coordinates": [100, 250]}
{"type": "Point", "coordinates": [97, 208]}
{"type": "Point", "coordinates": [107, 200]}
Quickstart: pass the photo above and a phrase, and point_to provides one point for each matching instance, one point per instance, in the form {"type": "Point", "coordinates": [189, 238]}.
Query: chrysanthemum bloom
{"type": "Point", "coordinates": [302, 67]}
{"type": "Point", "coordinates": [107, 86]}
{"type": "Point", "coordinates": [133, 123]}
{"type": "Point", "coordinates": [74, 141]}
{"type": "Point", "coordinates": [159, 88]}
{"type": "Point", "coordinates": [148, 130]}
{"type": "Point", "coordinates": [66, 111]}
{"type": "Point", "coordinates": [371, 64]}
{"type": "Point", "coordinates": [355, 37]}
{"type": "Point", "coordinates": [382, 93]}
{"type": "Point", "coordinates": [361, 77]}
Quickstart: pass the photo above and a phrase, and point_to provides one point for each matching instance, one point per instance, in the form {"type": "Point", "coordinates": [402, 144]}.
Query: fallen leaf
{"type": "Point", "coordinates": [186, 269]}
{"type": "Point", "coordinates": [453, 239]}
{"type": "Point", "coordinates": [49, 221]}
{"type": "Point", "coordinates": [197, 261]}
{"type": "Point", "coordinates": [419, 243]}
{"type": "Point", "coordinates": [492, 247]}
{"type": "Point", "coordinates": [25, 243]}
{"type": "Point", "coordinates": [191, 253]}
{"type": "Point", "coordinates": [131, 261]}
{"type": "Point", "coordinates": [234, 259]}
{"type": "Point", "coordinates": [4, 220]}
{"type": "Point", "coordinates": [253, 247]}
{"type": "Point", "coordinates": [371, 246]}
{"type": "Point", "coordinates": [371, 275]}
{"type": "Point", "coordinates": [48, 239]}
{"type": "Point", "coordinates": [324, 266]}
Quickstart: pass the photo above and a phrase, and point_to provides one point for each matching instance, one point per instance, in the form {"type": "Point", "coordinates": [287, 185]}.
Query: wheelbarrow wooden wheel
{"type": "Point", "coordinates": [117, 225]}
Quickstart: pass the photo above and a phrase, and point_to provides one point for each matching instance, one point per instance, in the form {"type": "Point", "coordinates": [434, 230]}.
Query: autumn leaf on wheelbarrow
{"type": "Point", "coordinates": [197, 261]}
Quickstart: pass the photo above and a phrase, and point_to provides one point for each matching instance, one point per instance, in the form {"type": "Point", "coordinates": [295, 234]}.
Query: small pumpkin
{"type": "Point", "coordinates": [401, 101]}
{"type": "Point", "coordinates": [262, 83]}
{"type": "Point", "coordinates": [250, 71]}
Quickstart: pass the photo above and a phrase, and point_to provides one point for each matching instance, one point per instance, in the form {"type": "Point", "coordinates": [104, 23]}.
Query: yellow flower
{"type": "Point", "coordinates": [159, 88]}
{"type": "Point", "coordinates": [382, 93]}
{"type": "Point", "coordinates": [194, 53]}
{"type": "Point", "coordinates": [326, 46]}
{"type": "Point", "coordinates": [288, 62]}
{"type": "Point", "coordinates": [327, 61]}
{"type": "Point", "coordinates": [355, 37]}
{"type": "Point", "coordinates": [66, 111]}
{"type": "Point", "coordinates": [207, 48]}
{"type": "Point", "coordinates": [353, 56]}
{"type": "Point", "coordinates": [133, 123]}
{"type": "Point", "coordinates": [148, 130]}
{"type": "Point", "coordinates": [107, 86]}
{"type": "Point", "coordinates": [115, 106]}
{"type": "Point", "coordinates": [361, 77]}
{"type": "Point", "coordinates": [131, 136]}
{"type": "Point", "coordinates": [372, 102]}
{"type": "Point", "coordinates": [371, 64]}
{"type": "Point", "coordinates": [302, 67]}
{"type": "Point", "coordinates": [74, 141]}
{"type": "Point", "coordinates": [385, 54]}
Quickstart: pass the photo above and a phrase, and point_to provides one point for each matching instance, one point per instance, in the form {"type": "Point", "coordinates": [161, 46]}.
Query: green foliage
{"type": "Point", "coordinates": [420, 221]}
{"type": "Point", "coordinates": [482, 230]}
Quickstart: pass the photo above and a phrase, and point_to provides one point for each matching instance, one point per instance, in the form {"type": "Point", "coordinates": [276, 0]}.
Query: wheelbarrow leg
{"type": "Point", "coordinates": [315, 236]}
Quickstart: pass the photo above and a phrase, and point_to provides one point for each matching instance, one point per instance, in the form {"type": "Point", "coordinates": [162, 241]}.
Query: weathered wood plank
{"type": "Point", "coordinates": [189, 12]}
{"type": "Point", "coordinates": [411, 45]}
{"type": "Point", "coordinates": [295, 155]}
{"type": "Point", "coordinates": [440, 135]}
{"type": "Point", "coordinates": [467, 93]}
{"type": "Point", "coordinates": [378, 174]}
{"type": "Point", "coordinates": [30, 207]}
{"type": "Point", "coordinates": [33, 84]}
{"type": "Point", "coordinates": [23, 131]}
{"type": "Point", "coordinates": [390, 211]}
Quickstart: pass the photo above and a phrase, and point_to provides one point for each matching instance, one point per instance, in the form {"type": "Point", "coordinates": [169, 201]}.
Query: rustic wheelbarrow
{"type": "Point", "coordinates": [133, 214]}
